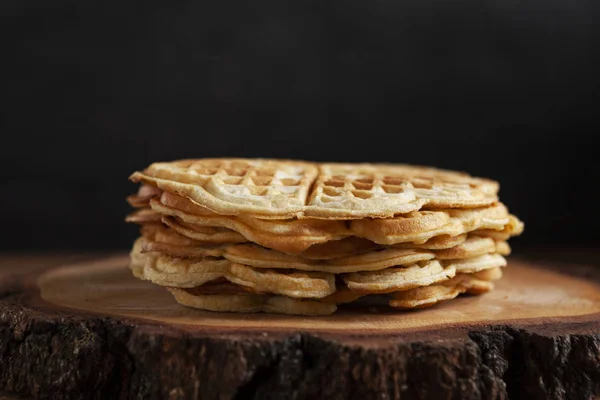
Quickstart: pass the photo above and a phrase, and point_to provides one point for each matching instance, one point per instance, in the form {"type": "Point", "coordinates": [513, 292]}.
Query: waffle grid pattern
{"type": "Point", "coordinates": [251, 235]}
{"type": "Point", "coordinates": [287, 189]}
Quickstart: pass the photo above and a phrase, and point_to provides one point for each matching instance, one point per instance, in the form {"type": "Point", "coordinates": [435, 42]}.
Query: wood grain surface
{"type": "Point", "coordinates": [90, 330]}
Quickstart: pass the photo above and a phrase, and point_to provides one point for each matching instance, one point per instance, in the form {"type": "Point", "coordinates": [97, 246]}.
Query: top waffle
{"type": "Point", "coordinates": [280, 189]}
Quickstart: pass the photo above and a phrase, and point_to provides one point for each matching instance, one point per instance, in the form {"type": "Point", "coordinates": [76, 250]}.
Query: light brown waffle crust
{"type": "Point", "coordinates": [280, 189]}
{"type": "Point", "coordinates": [217, 284]}
{"type": "Point", "coordinates": [304, 236]}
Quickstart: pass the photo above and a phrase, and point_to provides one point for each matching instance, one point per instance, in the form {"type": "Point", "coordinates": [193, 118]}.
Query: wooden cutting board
{"type": "Point", "coordinates": [90, 330]}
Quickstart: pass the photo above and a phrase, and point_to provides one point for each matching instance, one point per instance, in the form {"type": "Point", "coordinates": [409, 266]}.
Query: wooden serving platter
{"type": "Point", "coordinates": [90, 330]}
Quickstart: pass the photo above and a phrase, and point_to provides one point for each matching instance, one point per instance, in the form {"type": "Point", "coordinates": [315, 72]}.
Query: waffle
{"type": "Point", "coordinates": [213, 285]}
{"type": "Point", "coordinates": [476, 264]}
{"type": "Point", "coordinates": [293, 281]}
{"type": "Point", "coordinates": [294, 237]}
{"type": "Point", "coordinates": [189, 273]}
{"type": "Point", "coordinates": [370, 190]}
{"type": "Point", "coordinates": [297, 235]}
{"type": "Point", "coordinates": [142, 198]}
{"type": "Point", "coordinates": [425, 296]}
{"type": "Point", "coordinates": [435, 243]}
{"type": "Point", "coordinates": [398, 279]}
{"type": "Point", "coordinates": [422, 226]}
{"type": "Point", "coordinates": [297, 284]}
{"type": "Point", "coordinates": [376, 260]}
{"type": "Point", "coordinates": [472, 247]}
{"type": "Point", "coordinates": [472, 283]}
{"type": "Point", "coordinates": [477, 282]}
{"type": "Point", "coordinates": [166, 242]}
{"type": "Point", "coordinates": [342, 295]}
{"type": "Point", "coordinates": [267, 188]}
{"type": "Point", "coordinates": [163, 271]}
{"type": "Point", "coordinates": [290, 189]}
{"type": "Point", "coordinates": [252, 303]}
{"type": "Point", "coordinates": [420, 297]}
{"type": "Point", "coordinates": [144, 216]}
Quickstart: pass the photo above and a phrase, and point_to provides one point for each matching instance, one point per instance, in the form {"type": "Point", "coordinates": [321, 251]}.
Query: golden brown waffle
{"type": "Point", "coordinates": [492, 274]}
{"type": "Point", "coordinates": [427, 296]}
{"type": "Point", "coordinates": [143, 196]}
{"type": "Point", "coordinates": [478, 282]}
{"type": "Point", "coordinates": [513, 228]}
{"type": "Point", "coordinates": [221, 286]}
{"type": "Point", "coordinates": [296, 236]}
{"type": "Point", "coordinates": [419, 227]}
{"type": "Point", "coordinates": [376, 260]}
{"type": "Point", "coordinates": [252, 303]}
{"type": "Point", "coordinates": [349, 246]}
{"type": "Point", "coordinates": [166, 242]}
{"type": "Point", "coordinates": [297, 284]}
{"type": "Point", "coordinates": [158, 238]}
{"type": "Point", "coordinates": [472, 247]}
{"type": "Point", "coordinates": [286, 235]}
{"type": "Point", "coordinates": [342, 295]}
{"type": "Point", "coordinates": [268, 188]}
{"type": "Point", "coordinates": [472, 283]}
{"type": "Point", "coordinates": [374, 190]}
{"type": "Point", "coordinates": [476, 264]}
{"type": "Point", "coordinates": [183, 273]}
{"type": "Point", "coordinates": [398, 279]}
{"type": "Point", "coordinates": [144, 216]}
{"type": "Point", "coordinates": [435, 243]}
{"type": "Point", "coordinates": [191, 273]}
{"type": "Point", "coordinates": [203, 234]}
{"type": "Point", "coordinates": [288, 189]}
{"type": "Point", "coordinates": [300, 238]}
{"type": "Point", "coordinates": [238, 299]}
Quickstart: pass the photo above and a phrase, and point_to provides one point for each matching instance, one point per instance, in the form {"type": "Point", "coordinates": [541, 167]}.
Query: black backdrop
{"type": "Point", "coordinates": [93, 90]}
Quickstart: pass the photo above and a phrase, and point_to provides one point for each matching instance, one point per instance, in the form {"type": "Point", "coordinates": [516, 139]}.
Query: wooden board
{"type": "Point", "coordinates": [91, 330]}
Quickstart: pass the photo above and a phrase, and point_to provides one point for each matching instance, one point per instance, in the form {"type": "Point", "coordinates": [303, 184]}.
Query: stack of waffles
{"type": "Point", "coordinates": [252, 235]}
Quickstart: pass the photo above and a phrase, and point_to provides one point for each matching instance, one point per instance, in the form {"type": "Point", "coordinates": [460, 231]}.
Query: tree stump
{"type": "Point", "coordinates": [92, 331]}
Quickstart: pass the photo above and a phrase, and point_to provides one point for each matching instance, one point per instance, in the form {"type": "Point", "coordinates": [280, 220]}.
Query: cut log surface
{"type": "Point", "coordinates": [90, 330]}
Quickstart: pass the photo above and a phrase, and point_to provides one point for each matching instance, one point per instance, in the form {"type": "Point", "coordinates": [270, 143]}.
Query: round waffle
{"type": "Point", "coordinates": [419, 227]}
{"type": "Point", "coordinates": [492, 274]}
{"type": "Point", "coordinates": [342, 295]}
{"type": "Point", "coordinates": [167, 271]}
{"type": "Point", "coordinates": [349, 246]}
{"type": "Point", "coordinates": [396, 279]}
{"type": "Point", "coordinates": [263, 258]}
{"type": "Point", "coordinates": [204, 234]}
{"type": "Point", "coordinates": [435, 243]}
{"type": "Point", "coordinates": [161, 233]}
{"type": "Point", "coordinates": [474, 246]}
{"type": "Point", "coordinates": [252, 303]}
{"type": "Point", "coordinates": [478, 282]}
{"type": "Point", "coordinates": [296, 236]}
{"type": "Point", "coordinates": [143, 216]}
{"type": "Point", "coordinates": [299, 237]}
{"type": "Point", "coordinates": [513, 228]}
{"type": "Point", "coordinates": [285, 235]}
{"type": "Point", "coordinates": [143, 196]}
{"type": "Point", "coordinates": [476, 264]}
{"type": "Point", "coordinates": [473, 285]}
{"type": "Point", "coordinates": [287, 189]}
{"type": "Point", "coordinates": [190, 273]}
{"type": "Point", "coordinates": [150, 246]}
{"type": "Point", "coordinates": [422, 297]}
{"type": "Point", "coordinates": [288, 283]}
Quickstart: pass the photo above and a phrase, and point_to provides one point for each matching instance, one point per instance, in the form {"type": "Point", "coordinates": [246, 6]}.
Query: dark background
{"type": "Point", "coordinates": [93, 90]}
